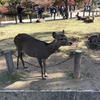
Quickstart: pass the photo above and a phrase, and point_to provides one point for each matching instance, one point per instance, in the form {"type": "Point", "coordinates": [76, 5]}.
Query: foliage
{"type": "Point", "coordinates": [5, 77]}
{"type": "Point", "coordinates": [57, 1]}
{"type": "Point", "coordinates": [78, 0]}
{"type": "Point", "coordinates": [11, 5]}
{"type": "Point", "coordinates": [3, 1]}
{"type": "Point", "coordinates": [66, 5]}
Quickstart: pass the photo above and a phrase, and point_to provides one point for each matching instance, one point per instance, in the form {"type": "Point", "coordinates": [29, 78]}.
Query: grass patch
{"type": "Point", "coordinates": [5, 77]}
{"type": "Point", "coordinates": [75, 30]}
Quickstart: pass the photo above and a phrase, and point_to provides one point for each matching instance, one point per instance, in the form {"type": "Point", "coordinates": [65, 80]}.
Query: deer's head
{"type": "Point", "coordinates": [61, 39]}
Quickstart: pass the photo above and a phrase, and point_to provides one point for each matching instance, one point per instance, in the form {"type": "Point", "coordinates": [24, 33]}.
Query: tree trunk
{"type": "Point", "coordinates": [66, 11]}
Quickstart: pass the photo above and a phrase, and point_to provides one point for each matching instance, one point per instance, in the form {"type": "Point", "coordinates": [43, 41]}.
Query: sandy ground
{"type": "Point", "coordinates": [60, 76]}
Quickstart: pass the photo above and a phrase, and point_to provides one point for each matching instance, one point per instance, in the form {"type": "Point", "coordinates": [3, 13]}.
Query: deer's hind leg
{"type": "Point", "coordinates": [20, 56]}
{"type": "Point", "coordinates": [17, 61]}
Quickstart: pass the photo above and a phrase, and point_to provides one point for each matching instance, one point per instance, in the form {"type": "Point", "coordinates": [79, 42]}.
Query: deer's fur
{"type": "Point", "coordinates": [39, 49]}
{"type": "Point", "coordinates": [89, 20]}
{"type": "Point", "coordinates": [94, 38]}
{"type": "Point", "coordinates": [40, 20]}
{"type": "Point", "coordinates": [80, 17]}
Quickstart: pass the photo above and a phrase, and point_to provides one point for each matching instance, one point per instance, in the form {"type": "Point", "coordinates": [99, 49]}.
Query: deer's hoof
{"type": "Point", "coordinates": [46, 75]}
{"type": "Point", "coordinates": [43, 78]}
{"type": "Point", "coordinates": [26, 69]}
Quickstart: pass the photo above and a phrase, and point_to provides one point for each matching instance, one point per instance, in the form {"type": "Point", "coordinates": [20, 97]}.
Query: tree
{"type": "Point", "coordinates": [12, 6]}
{"type": "Point", "coordinates": [66, 11]}
{"type": "Point", "coordinates": [66, 6]}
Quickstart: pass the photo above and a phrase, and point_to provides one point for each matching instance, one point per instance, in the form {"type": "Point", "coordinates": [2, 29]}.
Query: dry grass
{"type": "Point", "coordinates": [43, 31]}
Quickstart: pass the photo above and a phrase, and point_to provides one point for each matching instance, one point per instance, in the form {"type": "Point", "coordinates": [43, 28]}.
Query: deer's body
{"type": "Point", "coordinates": [94, 38]}
{"type": "Point", "coordinates": [39, 49]}
{"type": "Point", "coordinates": [80, 17]}
{"type": "Point", "coordinates": [89, 20]}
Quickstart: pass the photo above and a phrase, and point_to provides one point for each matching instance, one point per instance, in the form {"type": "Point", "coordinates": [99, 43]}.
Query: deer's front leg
{"type": "Point", "coordinates": [42, 69]}
{"type": "Point", "coordinates": [44, 66]}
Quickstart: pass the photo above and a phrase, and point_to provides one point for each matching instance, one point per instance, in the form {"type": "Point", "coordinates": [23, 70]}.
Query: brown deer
{"type": "Point", "coordinates": [40, 20]}
{"type": "Point", "coordinates": [80, 17]}
{"type": "Point", "coordinates": [89, 20]}
{"type": "Point", "coordinates": [39, 49]}
{"type": "Point", "coordinates": [94, 38]}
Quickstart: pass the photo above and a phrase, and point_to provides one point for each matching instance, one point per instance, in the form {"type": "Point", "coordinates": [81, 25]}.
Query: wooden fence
{"type": "Point", "coordinates": [71, 15]}
{"type": "Point", "coordinates": [84, 13]}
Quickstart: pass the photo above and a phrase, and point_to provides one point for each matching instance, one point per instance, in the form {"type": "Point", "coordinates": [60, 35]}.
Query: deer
{"type": "Point", "coordinates": [89, 20]}
{"type": "Point", "coordinates": [41, 50]}
{"type": "Point", "coordinates": [40, 20]}
{"type": "Point", "coordinates": [94, 38]}
{"type": "Point", "coordinates": [80, 17]}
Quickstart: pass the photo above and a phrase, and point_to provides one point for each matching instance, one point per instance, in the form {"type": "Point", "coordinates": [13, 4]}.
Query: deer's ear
{"type": "Point", "coordinates": [54, 35]}
{"type": "Point", "coordinates": [63, 32]}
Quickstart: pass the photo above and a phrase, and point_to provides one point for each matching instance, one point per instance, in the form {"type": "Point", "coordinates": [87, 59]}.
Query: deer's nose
{"type": "Point", "coordinates": [70, 43]}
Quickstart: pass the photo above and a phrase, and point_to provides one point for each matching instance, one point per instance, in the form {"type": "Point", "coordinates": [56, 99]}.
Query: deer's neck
{"type": "Point", "coordinates": [53, 46]}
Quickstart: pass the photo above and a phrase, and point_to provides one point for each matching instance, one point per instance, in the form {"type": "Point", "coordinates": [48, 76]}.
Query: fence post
{"type": "Point", "coordinates": [70, 14]}
{"type": "Point", "coordinates": [92, 13]}
{"type": "Point", "coordinates": [96, 12]}
{"type": "Point", "coordinates": [54, 16]}
{"type": "Point", "coordinates": [9, 62]}
{"type": "Point", "coordinates": [30, 17]}
{"type": "Point", "coordinates": [77, 63]}
{"type": "Point", "coordinates": [83, 13]}
{"type": "Point", "coordinates": [0, 19]}
{"type": "Point", "coordinates": [89, 12]}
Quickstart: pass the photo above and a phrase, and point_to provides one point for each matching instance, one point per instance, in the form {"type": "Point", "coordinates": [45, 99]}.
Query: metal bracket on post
{"type": "Point", "coordinates": [9, 62]}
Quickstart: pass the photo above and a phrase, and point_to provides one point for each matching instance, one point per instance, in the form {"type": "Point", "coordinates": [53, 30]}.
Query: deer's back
{"type": "Point", "coordinates": [31, 46]}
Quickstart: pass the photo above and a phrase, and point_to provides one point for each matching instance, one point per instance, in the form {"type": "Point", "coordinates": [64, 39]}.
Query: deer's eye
{"type": "Point", "coordinates": [61, 39]}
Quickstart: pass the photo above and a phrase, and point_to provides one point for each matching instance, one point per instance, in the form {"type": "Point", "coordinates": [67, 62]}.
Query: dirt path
{"type": "Point", "coordinates": [59, 76]}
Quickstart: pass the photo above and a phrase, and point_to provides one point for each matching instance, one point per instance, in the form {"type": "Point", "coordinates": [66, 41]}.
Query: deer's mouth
{"type": "Point", "coordinates": [67, 44]}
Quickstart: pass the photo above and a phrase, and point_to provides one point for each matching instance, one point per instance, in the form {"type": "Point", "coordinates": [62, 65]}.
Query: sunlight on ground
{"type": "Point", "coordinates": [95, 57]}
{"type": "Point", "coordinates": [82, 46]}
{"type": "Point", "coordinates": [18, 85]}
